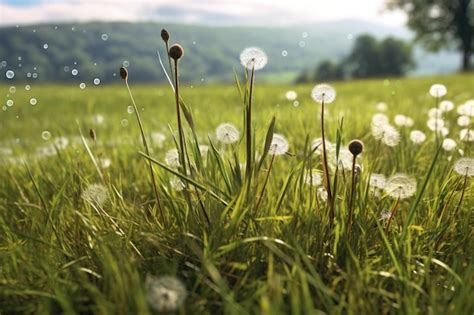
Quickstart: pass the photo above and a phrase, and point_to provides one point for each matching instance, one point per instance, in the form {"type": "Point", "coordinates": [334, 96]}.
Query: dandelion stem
{"type": "Point", "coordinates": [249, 129]}
{"type": "Point", "coordinates": [351, 200]}
{"type": "Point", "coordinates": [392, 214]}
{"type": "Point", "coordinates": [147, 150]}
{"type": "Point", "coordinates": [260, 197]}
{"type": "Point", "coordinates": [178, 113]}
{"type": "Point", "coordinates": [325, 166]}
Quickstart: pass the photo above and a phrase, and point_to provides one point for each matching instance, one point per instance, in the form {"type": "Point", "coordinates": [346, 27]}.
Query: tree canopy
{"type": "Point", "coordinates": [441, 23]}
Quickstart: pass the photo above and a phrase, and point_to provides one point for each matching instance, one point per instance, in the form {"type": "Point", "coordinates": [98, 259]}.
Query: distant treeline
{"type": "Point", "coordinates": [369, 58]}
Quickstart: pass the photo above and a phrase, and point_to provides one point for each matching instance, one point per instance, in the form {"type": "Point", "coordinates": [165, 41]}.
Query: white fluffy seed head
{"type": "Point", "coordinates": [446, 106]}
{"type": "Point", "coordinates": [449, 144]}
{"type": "Point", "coordinates": [317, 146]}
{"type": "Point", "coordinates": [417, 136]}
{"type": "Point", "coordinates": [438, 90]}
{"type": "Point", "coordinates": [463, 121]}
{"type": "Point", "coordinates": [466, 135]}
{"type": "Point", "coordinates": [158, 139]}
{"type": "Point", "coordinates": [344, 160]}
{"type": "Point", "coordinates": [291, 95]}
{"type": "Point", "coordinates": [177, 184]}
{"type": "Point", "coordinates": [382, 107]}
{"type": "Point", "coordinates": [403, 121]}
{"type": "Point", "coordinates": [435, 124]}
{"type": "Point", "coordinates": [466, 109]}
{"type": "Point", "coordinates": [165, 294]}
{"type": "Point", "coordinates": [313, 178]}
{"type": "Point", "coordinates": [253, 58]}
{"type": "Point", "coordinates": [227, 133]}
{"type": "Point", "coordinates": [95, 194]}
{"type": "Point", "coordinates": [323, 93]}
{"type": "Point", "coordinates": [400, 186]}
{"type": "Point", "coordinates": [435, 113]}
{"type": "Point", "coordinates": [377, 181]}
{"type": "Point", "coordinates": [322, 194]}
{"type": "Point", "coordinates": [464, 166]}
{"type": "Point", "coordinates": [386, 133]}
{"type": "Point", "coordinates": [279, 145]}
{"type": "Point", "coordinates": [172, 158]}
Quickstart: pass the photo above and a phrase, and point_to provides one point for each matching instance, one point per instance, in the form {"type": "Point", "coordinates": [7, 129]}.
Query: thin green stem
{"type": "Point", "coordinates": [325, 166]}
{"type": "Point", "coordinates": [392, 214]}
{"type": "Point", "coordinates": [182, 153]}
{"type": "Point", "coordinates": [249, 129]}
{"type": "Point", "coordinates": [351, 200]}
{"type": "Point", "coordinates": [260, 197]}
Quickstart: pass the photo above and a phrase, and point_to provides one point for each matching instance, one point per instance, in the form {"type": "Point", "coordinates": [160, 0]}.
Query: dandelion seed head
{"type": "Point", "coordinates": [177, 184]}
{"type": "Point", "coordinates": [435, 124]}
{"type": "Point", "coordinates": [377, 181]}
{"type": "Point", "coordinates": [98, 119]}
{"type": "Point", "coordinates": [61, 143]}
{"type": "Point", "coordinates": [227, 133]}
{"type": "Point", "coordinates": [344, 159]}
{"type": "Point", "coordinates": [313, 178]}
{"type": "Point", "coordinates": [449, 144]}
{"type": "Point", "coordinates": [466, 109]}
{"type": "Point", "coordinates": [446, 106]}
{"type": "Point", "coordinates": [400, 186]}
{"type": "Point", "coordinates": [385, 215]}
{"type": "Point", "coordinates": [403, 121]}
{"type": "Point", "coordinates": [466, 135]}
{"type": "Point", "coordinates": [322, 194]}
{"type": "Point", "coordinates": [323, 92]}
{"type": "Point", "coordinates": [417, 136]}
{"type": "Point", "coordinates": [158, 139]}
{"type": "Point", "coordinates": [165, 293]}
{"type": "Point", "coordinates": [463, 121]}
{"type": "Point", "coordinates": [253, 58]}
{"type": "Point", "coordinates": [438, 90]}
{"type": "Point", "coordinates": [318, 145]}
{"type": "Point", "coordinates": [172, 158]}
{"type": "Point", "coordinates": [435, 113]}
{"type": "Point", "coordinates": [382, 107]}
{"type": "Point", "coordinates": [105, 163]}
{"type": "Point", "coordinates": [387, 134]}
{"type": "Point", "coordinates": [279, 145]}
{"type": "Point", "coordinates": [95, 194]}
{"type": "Point", "coordinates": [291, 95]}
{"type": "Point", "coordinates": [464, 166]}
{"type": "Point", "coordinates": [380, 119]}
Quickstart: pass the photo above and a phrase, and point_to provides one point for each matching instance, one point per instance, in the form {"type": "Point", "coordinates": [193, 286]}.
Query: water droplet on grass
{"type": "Point", "coordinates": [296, 103]}
{"type": "Point", "coordinates": [96, 81]}
{"type": "Point", "coordinates": [27, 87]}
{"type": "Point", "coordinates": [45, 46]}
{"type": "Point", "coordinates": [284, 53]}
{"type": "Point", "coordinates": [130, 109]}
{"type": "Point", "coordinates": [74, 72]}
{"type": "Point", "coordinates": [124, 122]}
{"type": "Point", "coordinates": [10, 74]}
{"type": "Point", "coordinates": [82, 86]}
{"type": "Point", "coordinates": [104, 37]}
{"type": "Point", "coordinates": [302, 44]}
{"type": "Point", "coordinates": [46, 135]}
{"type": "Point", "coordinates": [33, 101]}
{"type": "Point", "coordinates": [12, 89]}
{"type": "Point", "coordinates": [10, 103]}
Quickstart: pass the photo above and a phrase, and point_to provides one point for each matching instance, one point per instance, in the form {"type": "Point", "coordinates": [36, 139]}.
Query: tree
{"type": "Point", "coordinates": [329, 70]}
{"type": "Point", "coordinates": [440, 23]}
{"type": "Point", "coordinates": [364, 60]}
{"type": "Point", "coordinates": [395, 57]}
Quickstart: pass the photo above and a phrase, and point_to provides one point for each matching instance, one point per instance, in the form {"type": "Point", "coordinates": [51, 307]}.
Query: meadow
{"type": "Point", "coordinates": [81, 233]}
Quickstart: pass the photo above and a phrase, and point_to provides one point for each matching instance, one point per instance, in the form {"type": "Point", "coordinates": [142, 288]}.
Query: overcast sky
{"type": "Point", "coordinates": [222, 12]}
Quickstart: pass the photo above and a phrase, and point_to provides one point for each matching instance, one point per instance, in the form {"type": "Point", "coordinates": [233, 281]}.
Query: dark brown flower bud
{"type": "Point", "coordinates": [123, 73]}
{"type": "Point", "coordinates": [356, 147]}
{"type": "Point", "coordinates": [176, 51]}
{"type": "Point", "coordinates": [92, 134]}
{"type": "Point", "coordinates": [165, 36]}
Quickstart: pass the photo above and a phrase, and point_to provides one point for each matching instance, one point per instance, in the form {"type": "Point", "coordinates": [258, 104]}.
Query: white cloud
{"type": "Point", "coordinates": [263, 12]}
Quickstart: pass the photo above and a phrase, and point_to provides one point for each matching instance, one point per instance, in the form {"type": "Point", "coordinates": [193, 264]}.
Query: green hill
{"type": "Point", "coordinates": [211, 52]}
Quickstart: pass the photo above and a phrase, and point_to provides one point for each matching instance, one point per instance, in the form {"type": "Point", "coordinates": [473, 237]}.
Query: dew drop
{"type": "Point", "coordinates": [27, 87]}
{"type": "Point", "coordinates": [284, 53]}
{"type": "Point", "coordinates": [10, 74]}
{"type": "Point", "coordinates": [28, 75]}
{"type": "Point", "coordinates": [296, 103]}
{"type": "Point", "coordinates": [304, 34]}
{"type": "Point", "coordinates": [35, 75]}
{"type": "Point", "coordinates": [66, 69]}
{"type": "Point", "coordinates": [45, 46]}
{"type": "Point", "coordinates": [12, 89]}
{"type": "Point", "coordinates": [302, 44]}
{"type": "Point", "coordinates": [124, 122]}
{"type": "Point", "coordinates": [96, 81]}
{"type": "Point", "coordinates": [74, 72]}
{"type": "Point", "coordinates": [82, 86]}
{"type": "Point", "coordinates": [33, 101]}
{"type": "Point", "coordinates": [104, 37]}
{"type": "Point", "coordinates": [130, 109]}
{"type": "Point", "coordinates": [46, 135]}
{"type": "Point", "coordinates": [4, 108]}
{"type": "Point", "coordinates": [126, 63]}
{"type": "Point", "coordinates": [10, 103]}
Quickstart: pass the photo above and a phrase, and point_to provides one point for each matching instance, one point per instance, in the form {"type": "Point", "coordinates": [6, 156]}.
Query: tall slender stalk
{"type": "Point", "coordinates": [351, 200]}
{"type": "Point", "coordinates": [265, 182]}
{"type": "Point", "coordinates": [325, 166]}
{"type": "Point", "coordinates": [249, 129]}
{"type": "Point", "coordinates": [178, 113]}
{"type": "Point", "coordinates": [392, 214]}
{"type": "Point", "coordinates": [124, 75]}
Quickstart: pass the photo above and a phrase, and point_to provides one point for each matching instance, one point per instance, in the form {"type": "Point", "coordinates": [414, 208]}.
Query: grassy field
{"type": "Point", "coordinates": [67, 246]}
